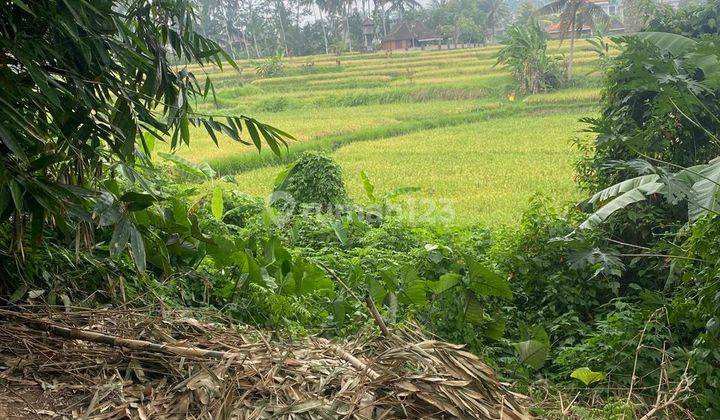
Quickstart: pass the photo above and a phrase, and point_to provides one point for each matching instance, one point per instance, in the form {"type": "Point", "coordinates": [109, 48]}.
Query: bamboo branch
{"type": "Point", "coordinates": [376, 316]}
{"type": "Point", "coordinates": [355, 362]}
{"type": "Point", "coordinates": [95, 337]}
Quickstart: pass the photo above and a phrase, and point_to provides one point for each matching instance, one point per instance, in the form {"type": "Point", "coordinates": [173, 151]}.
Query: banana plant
{"type": "Point", "coordinates": [699, 186]}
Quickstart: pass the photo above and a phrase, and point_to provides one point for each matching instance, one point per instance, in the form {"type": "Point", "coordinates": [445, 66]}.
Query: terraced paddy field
{"type": "Point", "coordinates": [447, 122]}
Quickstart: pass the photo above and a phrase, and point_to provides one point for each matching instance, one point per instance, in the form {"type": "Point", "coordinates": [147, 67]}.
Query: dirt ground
{"type": "Point", "coordinates": [24, 401]}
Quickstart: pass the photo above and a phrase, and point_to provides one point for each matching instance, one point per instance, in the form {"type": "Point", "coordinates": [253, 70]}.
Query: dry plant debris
{"type": "Point", "coordinates": [159, 364]}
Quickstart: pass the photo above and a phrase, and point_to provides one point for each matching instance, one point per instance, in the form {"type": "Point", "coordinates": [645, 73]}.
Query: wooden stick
{"type": "Point", "coordinates": [95, 337]}
{"type": "Point", "coordinates": [85, 335]}
{"type": "Point", "coordinates": [354, 361]}
{"type": "Point", "coordinates": [368, 301]}
{"type": "Point", "coordinates": [376, 315]}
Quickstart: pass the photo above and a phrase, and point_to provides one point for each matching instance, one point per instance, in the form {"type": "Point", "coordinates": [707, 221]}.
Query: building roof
{"type": "Point", "coordinates": [412, 30]}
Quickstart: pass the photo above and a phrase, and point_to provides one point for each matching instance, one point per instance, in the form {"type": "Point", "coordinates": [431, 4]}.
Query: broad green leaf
{"type": "Point", "coordinates": [623, 187]}
{"type": "Point", "coordinates": [496, 330]}
{"type": "Point", "coordinates": [532, 353]}
{"type": "Point", "coordinates": [377, 290]}
{"type": "Point", "coordinates": [539, 334]}
{"type": "Point", "coordinates": [368, 185]}
{"type": "Point", "coordinates": [216, 203]}
{"type": "Point", "coordinates": [705, 192]}
{"type": "Point", "coordinates": [137, 201]}
{"type": "Point", "coordinates": [137, 248]}
{"type": "Point", "coordinates": [341, 232]}
{"type": "Point", "coordinates": [474, 310]}
{"type": "Point", "coordinates": [253, 269]}
{"type": "Point", "coordinates": [674, 44]}
{"type": "Point", "coordinates": [587, 376]}
{"type": "Point", "coordinates": [120, 236]}
{"type": "Point", "coordinates": [485, 282]}
{"type": "Point", "coordinates": [632, 196]}
{"type": "Point", "coordinates": [202, 170]}
{"type": "Point", "coordinates": [339, 308]}
{"type": "Point", "coordinates": [414, 293]}
{"type": "Point", "coordinates": [311, 278]}
{"type": "Point", "coordinates": [446, 282]}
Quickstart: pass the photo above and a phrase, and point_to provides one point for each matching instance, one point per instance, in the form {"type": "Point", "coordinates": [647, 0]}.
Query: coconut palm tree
{"type": "Point", "coordinates": [574, 15]}
{"type": "Point", "coordinates": [401, 6]}
{"type": "Point", "coordinates": [496, 11]}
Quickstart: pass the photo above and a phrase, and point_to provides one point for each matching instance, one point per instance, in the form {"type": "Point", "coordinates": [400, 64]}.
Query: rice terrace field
{"type": "Point", "coordinates": [446, 122]}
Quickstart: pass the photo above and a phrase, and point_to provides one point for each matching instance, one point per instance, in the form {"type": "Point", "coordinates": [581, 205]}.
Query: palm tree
{"type": "Point", "coordinates": [321, 5]}
{"type": "Point", "coordinates": [574, 15]}
{"type": "Point", "coordinates": [496, 11]}
{"type": "Point", "coordinates": [402, 5]}
{"type": "Point", "coordinates": [524, 13]}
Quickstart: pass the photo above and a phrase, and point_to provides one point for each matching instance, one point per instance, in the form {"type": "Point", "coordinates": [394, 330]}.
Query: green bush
{"type": "Point", "coordinates": [658, 104]}
{"type": "Point", "coordinates": [313, 179]}
{"type": "Point", "coordinates": [277, 104]}
{"type": "Point", "coordinates": [239, 207]}
{"type": "Point", "coordinates": [692, 19]}
{"type": "Point", "coordinates": [525, 53]}
{"type": "Point", "coordinates": [272, 67]}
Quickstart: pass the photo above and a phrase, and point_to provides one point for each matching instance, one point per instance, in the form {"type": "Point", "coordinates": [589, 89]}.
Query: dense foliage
{"type": "Point", "coordinates": [313, 179]}
{"type": "Point", "coordinates": [88, 88]}
{"type": "Point", "coordinates": [257, 28]}
{"type": "Point", "coordinates": [693, 19]}
{"type": "Point", "coordinates": [525, 52]}
{"type": "Point", "coordinates": [619, 295]}
{"type": "Point", "coordinates": [660, 103]}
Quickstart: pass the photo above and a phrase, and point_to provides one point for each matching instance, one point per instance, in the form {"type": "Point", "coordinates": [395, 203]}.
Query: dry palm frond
{"type": "Point", "coordinates": [142, 364]}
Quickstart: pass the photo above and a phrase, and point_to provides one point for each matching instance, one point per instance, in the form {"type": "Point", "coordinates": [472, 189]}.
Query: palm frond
{"type": "Point", "coordinates": [551, 8]}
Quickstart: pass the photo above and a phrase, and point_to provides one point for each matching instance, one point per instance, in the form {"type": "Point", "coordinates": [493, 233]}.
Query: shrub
{"type": "Point", "coordinates": [272, 67]}
{"type": "Point", "coordinates": [278, 104]}
{"type": "Point", "coordinates": [313, 179]}
{"type": "Point", "coordinates": [658, 104]}
{"type": "Point", "coordinates": [693, 19]}
{"type": "Point", "coordinates": [239, 207]}
{"type": "Point", "coordinates": [525, 52]}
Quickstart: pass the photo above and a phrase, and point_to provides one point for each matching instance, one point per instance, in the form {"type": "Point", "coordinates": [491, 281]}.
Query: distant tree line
{"type": "Point", "coordinates": [261, 28]}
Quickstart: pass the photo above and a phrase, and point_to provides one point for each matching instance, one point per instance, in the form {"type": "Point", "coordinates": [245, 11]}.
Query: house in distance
{"type": "Point", "coordinates": [410, 35]}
